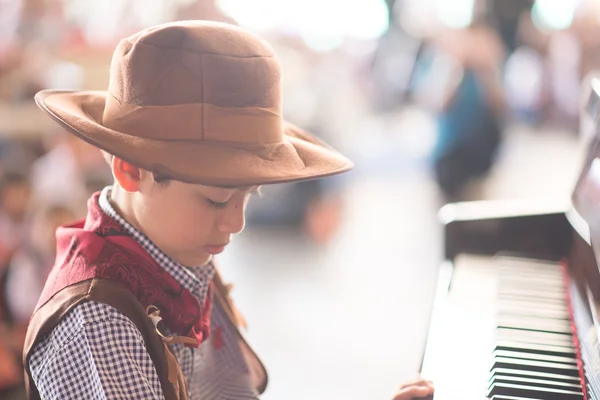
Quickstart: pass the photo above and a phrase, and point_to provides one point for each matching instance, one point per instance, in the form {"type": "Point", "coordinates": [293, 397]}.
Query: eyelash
{"type": "Point", "coordinates": [216, 204]}
{"type": "Point", "coordinates": [221, 205]}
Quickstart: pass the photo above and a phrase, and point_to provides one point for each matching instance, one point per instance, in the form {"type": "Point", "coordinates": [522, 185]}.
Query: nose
{"type": "Point", "coordinates": [232, 219]}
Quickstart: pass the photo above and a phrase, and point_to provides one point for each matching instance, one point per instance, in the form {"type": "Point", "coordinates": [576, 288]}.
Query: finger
{"type": "Point", "coordinates": [412, 392]}
{"type": "Point", "coordinates": [417, 382]}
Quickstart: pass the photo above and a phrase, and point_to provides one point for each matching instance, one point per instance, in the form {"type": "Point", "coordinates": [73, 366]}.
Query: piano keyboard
{"type": "Point", "coordinates": [502, 332]}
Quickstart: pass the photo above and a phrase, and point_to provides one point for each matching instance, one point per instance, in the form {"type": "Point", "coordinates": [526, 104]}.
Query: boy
{"type": "Point", "coordinates": [134, 307]}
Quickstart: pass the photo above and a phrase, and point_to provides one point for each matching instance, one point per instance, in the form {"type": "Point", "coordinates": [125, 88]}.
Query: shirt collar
{"type": "Point", "coordinates": [196, 280]}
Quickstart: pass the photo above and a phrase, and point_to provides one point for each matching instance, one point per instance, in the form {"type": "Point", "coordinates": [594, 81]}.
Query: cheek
{"type": "Point", "coordinates": [186, 225]}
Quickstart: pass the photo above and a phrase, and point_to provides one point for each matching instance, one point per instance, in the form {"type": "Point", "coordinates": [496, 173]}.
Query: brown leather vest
{"type": "Point", "coordinates": [114, 294]}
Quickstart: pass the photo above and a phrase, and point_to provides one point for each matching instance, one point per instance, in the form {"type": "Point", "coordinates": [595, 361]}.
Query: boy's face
{"type": "Point", "coordinates": [190, 222]}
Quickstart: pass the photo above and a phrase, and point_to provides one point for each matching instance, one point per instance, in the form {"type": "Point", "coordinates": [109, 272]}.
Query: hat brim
{"type": "Point", "coordinates": [299, 156]}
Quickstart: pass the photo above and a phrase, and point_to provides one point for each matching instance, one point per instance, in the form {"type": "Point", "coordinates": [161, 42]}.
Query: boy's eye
{"type": "Point", "coordinates": [216, 204]}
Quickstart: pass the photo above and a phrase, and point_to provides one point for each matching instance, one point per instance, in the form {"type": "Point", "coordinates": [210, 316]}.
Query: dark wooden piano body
{"type": "Point", "coordinates": [530, 230]}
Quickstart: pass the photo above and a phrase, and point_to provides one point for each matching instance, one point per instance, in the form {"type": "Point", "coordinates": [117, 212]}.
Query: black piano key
{"type": "Point", "coordinates": [536, 348]}
{"type": "Point", "coordinates": [543, 336]}
{"type": "Point", "coordinates": [540, 366]}
{"type": "Point", "coordinates": [534, 356]}
{"type": "Point", "coordinates": [532, 324]}
{"type": "Point", "coordinates": [533, 392]}
{"type": "Point", "coordinates": [510, 331]}
{"type": "Point", "coordinates": [501, 397]}
{"type": "Point", "coordinates": [519, 380]}
{"type": "Point", "coordinates": [535, 374]}
{"type": "Point", "coordinates": [546, 336]}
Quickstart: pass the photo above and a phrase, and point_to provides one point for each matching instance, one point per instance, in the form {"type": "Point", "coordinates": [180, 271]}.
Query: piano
{"type": "Point", "coordinates": [516, 313]}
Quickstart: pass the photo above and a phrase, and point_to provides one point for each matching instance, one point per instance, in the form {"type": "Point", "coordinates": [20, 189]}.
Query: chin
{"type": "Point", "coordinates": [197, 261]}
{"type": "Point", "coordinates": [204, 259]}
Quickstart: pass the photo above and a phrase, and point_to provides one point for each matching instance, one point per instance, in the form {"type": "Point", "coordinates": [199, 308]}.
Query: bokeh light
{"type": "Point", "coordinates": [456, 13]}
{"type": "Point", "coordinates": [554, 14]}
{"type": "Point", "coordinates": [320, 23]}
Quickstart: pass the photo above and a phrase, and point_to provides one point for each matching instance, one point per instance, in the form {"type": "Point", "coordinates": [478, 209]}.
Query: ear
{"type": "Point", "coordinates": [127, 175]}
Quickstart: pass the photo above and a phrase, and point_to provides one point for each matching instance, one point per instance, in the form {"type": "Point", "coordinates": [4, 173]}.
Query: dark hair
{"type": "Point", "coordinates": [161, 180]}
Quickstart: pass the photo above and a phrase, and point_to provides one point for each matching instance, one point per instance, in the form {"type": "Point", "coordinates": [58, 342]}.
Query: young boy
{"type": "Point", "coordinates": [134, 308]}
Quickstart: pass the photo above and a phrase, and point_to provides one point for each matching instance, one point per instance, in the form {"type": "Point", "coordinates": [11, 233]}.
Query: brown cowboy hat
{"type": "Point", "coordinates": [198, 102]}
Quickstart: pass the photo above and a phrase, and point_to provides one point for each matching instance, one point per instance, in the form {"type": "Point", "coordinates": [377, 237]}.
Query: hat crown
{"type": "Point", "coordinates": [194, 62]}
{"type": "Point", "coordinates": [199, 102]}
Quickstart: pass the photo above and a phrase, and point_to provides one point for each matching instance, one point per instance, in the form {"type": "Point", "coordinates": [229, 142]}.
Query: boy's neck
{"type": "Point", "coordinates": [121, 201]}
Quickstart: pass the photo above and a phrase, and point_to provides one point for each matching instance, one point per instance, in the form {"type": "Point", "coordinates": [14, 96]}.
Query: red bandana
{"type": "Point", "coordinates": [99, 247]}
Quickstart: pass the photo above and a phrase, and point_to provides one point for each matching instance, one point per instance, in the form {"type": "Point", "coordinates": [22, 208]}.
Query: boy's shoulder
{"type": "Point", "coordinates": [86, 349]}
{"type": "Point", "coordinates": [88, 314]}
{"type": "Point", "coordinates": [88, 319]}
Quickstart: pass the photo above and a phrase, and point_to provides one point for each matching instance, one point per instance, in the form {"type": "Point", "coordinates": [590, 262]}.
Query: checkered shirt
{"type": "Point", "coordinates": [96, 352]}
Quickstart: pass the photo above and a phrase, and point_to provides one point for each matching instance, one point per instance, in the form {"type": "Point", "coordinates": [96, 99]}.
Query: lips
{"type": "Point", "coordinates": [215, 249]}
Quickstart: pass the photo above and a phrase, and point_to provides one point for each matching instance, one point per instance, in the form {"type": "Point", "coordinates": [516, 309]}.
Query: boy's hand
{"type": "Point", "coordinates": [413, 390]}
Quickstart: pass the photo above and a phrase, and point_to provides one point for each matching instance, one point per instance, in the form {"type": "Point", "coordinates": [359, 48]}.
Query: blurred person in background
{"type": "Point", "coordinates": [464, 86]}
{"type": "Point", "coordinates": [507, 15]}
{"type": "Point", "coordinates": [28, 268]}
{"type": "Point", "coordinates": [527, 74]}
{"type": "Point", "coordinates": [558, 46]}
{"type": "Point", "coordinates": [11, 368]}
{"type": "Point", "coordinates": [564, 65]}
{"type": "Point", "coordinates": [63, 175]}
{"type": "Point", "coordinates": [15, 195]}
{"type": "Point", "coordinates": [573, 52]}
{"type": "Point", "coordinates": [470, 124]}
{"type": "Point", "coordinates": [19, 79]}
{"type": "Point", "coordinates": [31, 29]}
{"type": "Point", "coordinates": [21, 281]}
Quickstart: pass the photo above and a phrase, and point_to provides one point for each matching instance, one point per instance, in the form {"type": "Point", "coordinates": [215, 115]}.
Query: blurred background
{"type": "Point", "coordinates": [435, 101]}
